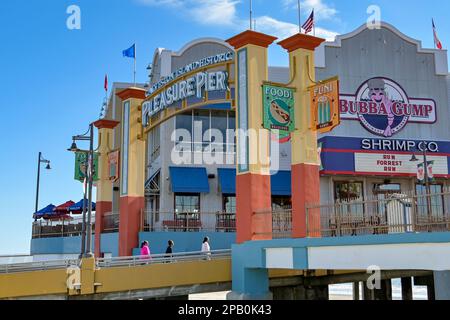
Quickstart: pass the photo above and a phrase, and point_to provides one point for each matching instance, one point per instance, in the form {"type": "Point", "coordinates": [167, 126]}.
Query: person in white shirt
{"type": "Point", "coordinates": [206, 248]}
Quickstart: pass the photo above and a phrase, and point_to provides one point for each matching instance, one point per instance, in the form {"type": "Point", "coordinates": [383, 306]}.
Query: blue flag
{"type": "Point", "coordinates": [130, 52]}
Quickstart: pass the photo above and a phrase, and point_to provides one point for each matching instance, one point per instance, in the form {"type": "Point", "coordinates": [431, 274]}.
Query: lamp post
{"type": "Point", "coordinates": [86, 238]}
{"type": "Point", "coordinates": [40, 160]}
{"type": "Point", "coordinates": [427, 182]}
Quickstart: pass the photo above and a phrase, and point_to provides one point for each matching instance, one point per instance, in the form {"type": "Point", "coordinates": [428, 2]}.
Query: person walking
{"type": "Point", "coordinates": [206, 249]}
{"type": "Point", "coordinates": [169, 250]}
{"type": "Point", "coordinates": [145, 251]}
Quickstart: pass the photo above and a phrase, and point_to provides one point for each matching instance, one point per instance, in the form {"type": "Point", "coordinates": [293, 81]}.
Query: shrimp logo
{"type": "Point", "coordinates": [383, 107]}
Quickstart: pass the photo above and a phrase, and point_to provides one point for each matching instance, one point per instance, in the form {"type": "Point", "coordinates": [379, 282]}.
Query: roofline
{"type": "Point", "coordinates": [201, 40]}
{"type": "Point", "coordinates": [338, 40]}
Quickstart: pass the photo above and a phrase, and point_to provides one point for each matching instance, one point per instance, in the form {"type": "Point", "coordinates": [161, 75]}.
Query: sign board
{"type": "Point", "coordinates": [325, 115]}
{"type": "Point", "coordinates": [382, 157]}
{"type": "Point", "coordinates": [81, 164]}
{"type": "Point", "coordinates": [278, 109]}
{"type": "Point", "coordinates": [390, 163]}
{"type": "Point", "coordinates": [113, 164]}
{"type": "Point", "coordinates": [384, 108]}
{"type": "Point", "coordinates": [186, 87]}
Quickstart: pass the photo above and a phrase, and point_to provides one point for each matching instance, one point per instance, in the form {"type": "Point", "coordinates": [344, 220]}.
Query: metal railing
{"type": "Point", "coordinates": [40, 265]}
{"type": "Point", "coordinates": [162, 258]}
{"type": "Point", "coordinates": [393, 213]}
{"type": "Point", "coordinates": [59, 228]}
{"type": "Point", "coordinates": [188, 222]}
{"type": "Point", "coordinates": [282, 223]}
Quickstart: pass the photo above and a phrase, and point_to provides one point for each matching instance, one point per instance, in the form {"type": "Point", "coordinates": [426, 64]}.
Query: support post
{"type": "Point", "coordinates": [253, 201]}
{"type": "Point", "coordinates": [305, 158]}
{"type": "Point", "coordinates": [104, 184]}
{"type": "Point", "coordinates": [132, 175]}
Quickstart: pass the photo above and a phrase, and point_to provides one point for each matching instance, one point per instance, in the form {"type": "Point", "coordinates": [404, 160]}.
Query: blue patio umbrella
{"type": "Point", "coordinates": [78, 207]}
{"type": "Point", "coordinates": [48, 210]}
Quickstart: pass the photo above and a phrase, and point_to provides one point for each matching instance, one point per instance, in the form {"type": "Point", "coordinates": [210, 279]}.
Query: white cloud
{"type": "Point", "coordinates": [208, 12]}
{"type": "Point", "coordinates": [219, 12]}
{"type": "Point", "coordinates": [283, 30]}
{"type": "Point", "coordinates": [223, 12]}
{"type": "Point", "coordinates": [321, 9]}
{"type": "Point", "coordinates": [169, 3]}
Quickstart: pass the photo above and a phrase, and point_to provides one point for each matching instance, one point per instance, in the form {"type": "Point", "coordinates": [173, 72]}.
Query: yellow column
{"type": "Point", "coordinates": [132, 170]}
{"type": "Point", "coordinates": [305, 158]}
{"type": "Point", "coordinates": [253, 194]}
{"type": "Point", "coordinates": [104, 184]}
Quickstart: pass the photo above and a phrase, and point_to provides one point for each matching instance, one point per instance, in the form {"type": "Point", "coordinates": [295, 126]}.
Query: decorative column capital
{"type": "Point", "coordinates": [105, 124]}
{"type": "Point", "coordinates": [132, 93]}
{"type": "Point", "coordinates": [301, 41]}
{"type": "Point", "coordinates": [251, 37]}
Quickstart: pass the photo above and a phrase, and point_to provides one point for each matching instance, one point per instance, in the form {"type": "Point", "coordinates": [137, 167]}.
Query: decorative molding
{"type": "Point", "coordinates": [251, 37]}
{"type": "Point", "coordinates": [131, 93]}
{"type": "Point", "coordinates": [301, 41]}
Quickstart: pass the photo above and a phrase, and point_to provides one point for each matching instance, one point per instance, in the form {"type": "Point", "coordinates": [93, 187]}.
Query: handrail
{"type": "Point", "coordinates": [38, 265]}
{"type": "Point", "coordinates": [162, 258]}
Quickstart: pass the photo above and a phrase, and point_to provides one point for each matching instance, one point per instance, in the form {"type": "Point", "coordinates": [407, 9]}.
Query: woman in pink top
{"type": "Point", "coordinates": [145, 251]}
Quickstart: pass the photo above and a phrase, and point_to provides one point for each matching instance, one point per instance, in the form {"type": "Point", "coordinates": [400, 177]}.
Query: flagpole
{"type": "Point", "coordinates": [135, 55]}
{"type": "Point", "coordinates": [251, 13]}
{"type": "Point", "coordinates": [434, 33]}
{"type": "Point", "coordinates": [299, 18]}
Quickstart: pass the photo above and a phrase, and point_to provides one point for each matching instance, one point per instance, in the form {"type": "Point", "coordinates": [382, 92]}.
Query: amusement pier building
{"type": "Point", "coordinates": [158, 180]}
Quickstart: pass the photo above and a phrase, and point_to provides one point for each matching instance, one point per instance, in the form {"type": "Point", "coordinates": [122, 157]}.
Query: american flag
{"type": "Point", "coordinates": [309, 24]}
{"type": "Point", "coordinates": [437, 42]}
{"type": "Point", "coordinates": [106, 83]}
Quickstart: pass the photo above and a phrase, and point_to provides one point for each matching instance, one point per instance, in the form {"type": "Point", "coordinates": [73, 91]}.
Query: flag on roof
{"type": "Point", "coordinates": [309, 24]}
{"type": "Point", "coordinates": [437, 42]}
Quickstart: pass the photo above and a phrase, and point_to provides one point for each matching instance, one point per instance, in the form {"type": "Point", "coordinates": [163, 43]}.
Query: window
{"type": "Point", "coordinates": [187, 203]}
{"type": "Point", "coordinates": [220, 120]}
{"type": "Point", "coordinates": [229, 204]}
{"type": "Point", "coordinates": [349, 193]}
{"type": "Point", "coordinates": [346, 191]}
{"type": "Point", "coordinates": [435, 201]}
{"type": "Point", "coordinates": [281, 203]}
{"type": "Point", "coordinates": [184, 121]}
{"type": "Point", "coordinates": [201, 126]}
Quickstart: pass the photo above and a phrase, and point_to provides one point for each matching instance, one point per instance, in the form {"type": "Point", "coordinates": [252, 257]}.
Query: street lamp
{"type": "Point", "coordinates": [47, 167]}
{"type": "Point", "coordinates": [427, 183]}
{"type": "Point", "coordinates": [86, 240]}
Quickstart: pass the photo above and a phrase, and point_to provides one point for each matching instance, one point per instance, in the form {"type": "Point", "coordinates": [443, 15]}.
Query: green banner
{"type": "Point", "coordinates": [81, 163]}
{"type": "Point", "coordinates": [278, 104]}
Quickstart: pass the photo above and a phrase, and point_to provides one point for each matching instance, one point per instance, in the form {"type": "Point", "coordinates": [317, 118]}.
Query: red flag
{"type": "Point", "coordinates": [437, 42]}
{"type": "Point", "coordinates": [106, 82]}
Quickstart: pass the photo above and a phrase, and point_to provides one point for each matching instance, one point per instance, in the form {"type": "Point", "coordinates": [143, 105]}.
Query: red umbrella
{"type": "Point", "coordinates": [64, 208]}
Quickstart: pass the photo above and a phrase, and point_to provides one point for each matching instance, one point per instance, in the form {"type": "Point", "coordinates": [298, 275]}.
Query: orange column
{"type": "Point", "coordinates": [305, 157]}
{"type": "Point", "coordinates": [132, 171]}
{"type": "Point", "coordinates": [104, 185]}
{"type": "Point", "coordinates": [253, 195]}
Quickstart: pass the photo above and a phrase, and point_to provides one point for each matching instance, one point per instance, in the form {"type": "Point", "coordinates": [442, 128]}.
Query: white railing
{"type": "Point", "coordinates": [162, 258]}
{"type": "Point", "coordinates": [38, 265]}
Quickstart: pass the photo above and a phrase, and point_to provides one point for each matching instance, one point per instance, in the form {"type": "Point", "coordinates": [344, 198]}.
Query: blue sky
{"type": "Point", "coordinates": [51, 78]}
